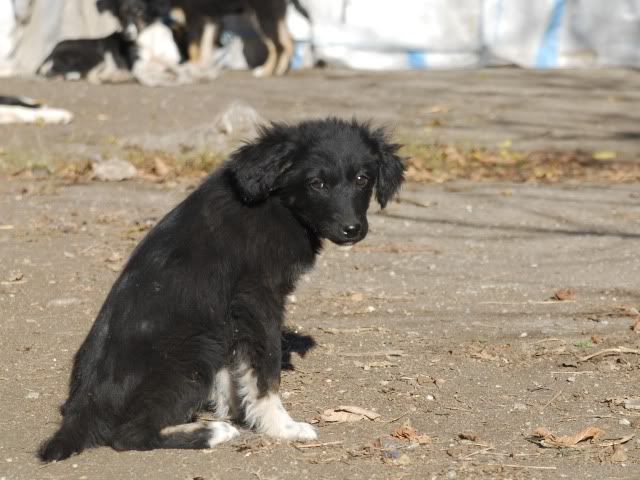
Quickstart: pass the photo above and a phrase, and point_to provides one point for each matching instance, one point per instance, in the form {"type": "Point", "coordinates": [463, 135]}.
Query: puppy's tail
{"type": "Point", "coordinates": [69, 439]}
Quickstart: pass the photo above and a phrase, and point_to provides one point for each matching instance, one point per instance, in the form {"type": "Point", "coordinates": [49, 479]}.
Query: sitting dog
{"type": "Point", "coordinates": [196, 314]}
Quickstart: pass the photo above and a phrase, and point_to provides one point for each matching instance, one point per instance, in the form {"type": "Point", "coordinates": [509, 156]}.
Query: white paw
{"type": "Point", "coordinates": [296, 431]}
{"type": "Point", "coordinates": [221, 432]}
{"type": "Point", "coordinates": [260, 72]}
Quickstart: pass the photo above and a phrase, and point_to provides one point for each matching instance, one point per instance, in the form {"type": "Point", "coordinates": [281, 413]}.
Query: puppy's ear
{"type": "Point", "coordinates": [390, 166]}
{"type": "Point", "coordinates": [256, 167]}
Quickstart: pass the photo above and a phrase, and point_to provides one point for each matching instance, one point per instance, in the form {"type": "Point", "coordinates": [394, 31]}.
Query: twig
{"type": "Point", "coordinates": [573, 373]}
{"type": "Point", "coordinates": [617, 441]}
{"type": "Point", "coordinates": [459, 408]}
{"type": "Point", "coordinates": [552, 339]}
{"type": "Point", "coordinates": [399, 417]}
{"type": "Point", "coordinates": [478, 452]}
{"type": "Point", "coordinates": [552, 399]}
{"type": "Point", "coordinates": [531, 467]}
{"type": "Point", "coordinates": [608, 351]}
{"type": "Point", "coordinates": [317, 445]}
{"type": "Point", "coordinates": [381, 353]}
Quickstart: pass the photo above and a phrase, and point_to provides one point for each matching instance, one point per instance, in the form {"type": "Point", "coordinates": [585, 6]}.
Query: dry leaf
{"type": "Point", "coordinates": [347, 414]}
{"type": "Point", "coordinates": [160, 168]}
{"type": "Point", "coordinates": [564, 294]}
{"type": "Point", "coordinates": [619, 454]}
{"type": "Point", "coordinates": [549, 440]}
{"type": "Point", "coordinates": [484, 355]}
{"type": "Point", "coordinates": [407, 432]}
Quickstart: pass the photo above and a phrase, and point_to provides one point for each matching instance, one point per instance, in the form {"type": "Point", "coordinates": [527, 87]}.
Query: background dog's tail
{"type": "Point", "coordinates": [69, 439]}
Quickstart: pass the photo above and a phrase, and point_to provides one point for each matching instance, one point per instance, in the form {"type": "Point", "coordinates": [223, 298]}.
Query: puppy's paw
{"type": "Point", "coordinates": [296, 431]}
{"type": "Point", "coordinates": [221, 432]}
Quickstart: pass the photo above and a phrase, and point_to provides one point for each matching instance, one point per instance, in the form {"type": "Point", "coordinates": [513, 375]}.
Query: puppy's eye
{"type": "Point", "coordinates": [362, 180]}
{"type": "Point", "coordinates": [317, 184]}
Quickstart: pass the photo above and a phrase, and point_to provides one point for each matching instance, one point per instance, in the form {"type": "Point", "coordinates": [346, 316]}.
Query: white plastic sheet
{"type": "Point", "coordinates": [422, 34]}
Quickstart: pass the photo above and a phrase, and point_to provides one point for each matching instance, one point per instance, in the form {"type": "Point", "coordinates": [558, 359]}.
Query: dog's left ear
{"type": "Point", "coordinates": [256, 167]}
{"type": "Point", "coordinates": [390, 166]}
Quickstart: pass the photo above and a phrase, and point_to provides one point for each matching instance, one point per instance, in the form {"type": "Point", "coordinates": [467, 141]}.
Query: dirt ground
{"type": "Point", "coordinates": [442, 317]}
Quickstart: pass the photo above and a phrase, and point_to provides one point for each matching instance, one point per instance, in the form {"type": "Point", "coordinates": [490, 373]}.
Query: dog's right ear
{"type": "Point", "coordinates": [256, 167]}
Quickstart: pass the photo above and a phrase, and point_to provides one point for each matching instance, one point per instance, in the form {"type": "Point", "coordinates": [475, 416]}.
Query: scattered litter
{"type": "Point", "coordinates": [33, 395]}
{"type": "Point", "coordinates": [545, 438]}
{"type": "Point", "coordinates": [113, 170]}
{"type": "Point", "coordinates": [625, 422]}
{"type": "Point", "coordinates": [564, 294]}
{"type": "Point", "coordinates": [344, 414]}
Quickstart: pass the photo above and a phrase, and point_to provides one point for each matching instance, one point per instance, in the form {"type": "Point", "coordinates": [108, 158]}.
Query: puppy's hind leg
{"type": "Point", "coordinates": [159, 414]}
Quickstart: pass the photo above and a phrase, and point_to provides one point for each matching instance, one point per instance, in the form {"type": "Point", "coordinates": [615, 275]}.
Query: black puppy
{"type": "Point", "coordinates": [196, 315]}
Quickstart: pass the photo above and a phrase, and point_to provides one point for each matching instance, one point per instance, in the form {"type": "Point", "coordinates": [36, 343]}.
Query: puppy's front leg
{"type": "Point", "coordinates": [263, 409]}
{"type": "Point", "coordinates": [258, 357]}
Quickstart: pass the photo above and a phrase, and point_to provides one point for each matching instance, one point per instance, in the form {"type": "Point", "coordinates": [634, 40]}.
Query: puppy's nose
{"type": "Point", "coordinates": [351, 231]}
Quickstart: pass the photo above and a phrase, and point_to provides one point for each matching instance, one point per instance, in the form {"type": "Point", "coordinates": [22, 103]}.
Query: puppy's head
{"type": "Point", "coordinates": [324, 171]}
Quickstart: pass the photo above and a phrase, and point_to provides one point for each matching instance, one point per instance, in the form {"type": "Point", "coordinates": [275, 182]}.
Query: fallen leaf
{"type": "Point", "coordinates": [407, 432]}
{"type": "Point", "coordinates": [160, 168]}
{"type": "Point", "coordinates": [604, 155]}
{"type": "Point", "coordinates": [596, 339]}
{"type": "Point", "coordinates": [550, 440]}
{"type": "Point", "coordinates": [564, 294]}
{"type": "Point", "coordinates": [344, 414]}
{"type": "Point", "coordinates": [619, 454]}
{"type": "Point", "coordinates": [484, 355]}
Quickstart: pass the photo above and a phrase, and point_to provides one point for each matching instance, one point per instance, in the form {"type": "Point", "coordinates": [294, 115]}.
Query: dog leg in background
{"type": "Point", "coordinates": [268, 35]}
{"type": "Point", "coordinates": [284, 59]}
{"type": "Point", "coordinates": [209, 32]}
{"type": "Point", "coordinates": [264, 412]}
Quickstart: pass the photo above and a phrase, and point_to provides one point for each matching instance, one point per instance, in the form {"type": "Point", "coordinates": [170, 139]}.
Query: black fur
{"type": "Point", "coordinates": [209, 282]}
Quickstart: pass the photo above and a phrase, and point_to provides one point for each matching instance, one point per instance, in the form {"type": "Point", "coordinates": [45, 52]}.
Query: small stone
{"type": "Point", "coordinates": [113, 170]}
{"type": "Point", "coordinates": [571, 379]}
{"type": "Point", "coordinates": [624, 421]}
{"type": "Point", "coordinates": [431, 398]}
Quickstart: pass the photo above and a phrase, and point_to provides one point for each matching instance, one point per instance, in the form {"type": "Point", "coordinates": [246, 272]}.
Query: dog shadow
{"type": "Point", "coordinates": [293, 342]}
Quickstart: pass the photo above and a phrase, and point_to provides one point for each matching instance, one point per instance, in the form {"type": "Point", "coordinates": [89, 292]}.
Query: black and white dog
{"type": "Point", "coordinates": [195, 317]}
